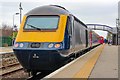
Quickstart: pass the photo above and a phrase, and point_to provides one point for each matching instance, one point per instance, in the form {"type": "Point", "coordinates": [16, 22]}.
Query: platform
{"type": "Point", "coordinates": [107, 64]}
{"type": "Point", "coordinates": [101, 62]}
{"type": "Point", "coordinates": [6, 50]}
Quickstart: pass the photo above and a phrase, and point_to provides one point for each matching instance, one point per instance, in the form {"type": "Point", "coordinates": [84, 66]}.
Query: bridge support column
{"type": "Point", "coordinates": [114, 39]}
{"type": "Point", "coordinates": [118, 36]}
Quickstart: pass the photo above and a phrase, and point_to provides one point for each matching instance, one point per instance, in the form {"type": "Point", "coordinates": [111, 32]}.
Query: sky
{"type": "Point", "coordinates": [88, 11]}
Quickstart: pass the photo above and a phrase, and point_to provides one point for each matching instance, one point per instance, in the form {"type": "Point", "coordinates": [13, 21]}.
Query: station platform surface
{"type": "Point", "coordinates": [101, 62]}
{"type": "Point", "coordinates": [6, 49]}
{"type": "Point", "coordinates": [107, 64]}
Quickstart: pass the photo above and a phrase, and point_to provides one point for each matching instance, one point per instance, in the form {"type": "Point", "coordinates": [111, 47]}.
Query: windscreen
{"type": "Point", "coordinates": [41, 22]}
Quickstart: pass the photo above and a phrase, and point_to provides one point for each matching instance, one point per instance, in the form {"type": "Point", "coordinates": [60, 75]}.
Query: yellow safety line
{"type": "Point", "coordinates": [88, 66]}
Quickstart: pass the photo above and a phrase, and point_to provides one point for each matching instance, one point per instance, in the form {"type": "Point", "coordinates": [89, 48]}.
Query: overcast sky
{"type": "Point", "coordinates": [88, 11]}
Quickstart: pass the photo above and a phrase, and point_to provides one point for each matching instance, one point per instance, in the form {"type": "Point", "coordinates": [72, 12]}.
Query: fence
{"type": "Point", "coordinates": [5, 41]}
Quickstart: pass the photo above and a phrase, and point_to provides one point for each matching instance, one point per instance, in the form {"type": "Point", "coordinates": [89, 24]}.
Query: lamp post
{"type": "Point", "coordinates": [20, 7]}
{"type": "Point", "coordinates": [13, 18]}
{"type": "Point", "coordinates": [13, 28]}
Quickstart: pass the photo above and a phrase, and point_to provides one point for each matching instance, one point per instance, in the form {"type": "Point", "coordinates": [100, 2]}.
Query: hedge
{"type": "Point", "coordinates": [5, 41]}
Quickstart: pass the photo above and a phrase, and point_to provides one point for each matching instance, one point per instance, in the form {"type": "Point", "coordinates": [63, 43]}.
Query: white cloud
{"type": "Point", "coordinates": [86, 1]}
{"type": "Point", "coordinates": [88, 11]}
{"type": "Point", "coordinates": [101, 33]}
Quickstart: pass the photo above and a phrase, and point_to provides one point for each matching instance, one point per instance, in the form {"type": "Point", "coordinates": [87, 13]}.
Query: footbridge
{"type": "Point", "coordinates": [102, 27]}
{"type": "Point", "coordinates": [112, 30]}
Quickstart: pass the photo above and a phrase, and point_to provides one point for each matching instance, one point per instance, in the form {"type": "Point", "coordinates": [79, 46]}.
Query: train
{"type": "Point", "coordinates": [101, 39]}
{"type": "Point", "coordinates": [49, 36]}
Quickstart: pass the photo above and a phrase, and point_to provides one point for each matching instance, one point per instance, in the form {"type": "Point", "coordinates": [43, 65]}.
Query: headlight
{"type": "Point", "coordinates": [50, 45]}
{"type": "Point", "coordinates": [57, 45]}
{"type": "Point", "coordinates": [16, 45]}
{"type": "Point", "coordinates": [21, 44]}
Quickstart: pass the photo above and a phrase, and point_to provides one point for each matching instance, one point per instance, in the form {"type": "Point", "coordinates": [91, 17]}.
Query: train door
{"type": "Point", "coordinates": [86, 32]}
{"type": "Point", "coordinates": [73, 32]}
{"type": "Point", "coordinates": [90, 38]}
{"type": "Point", "coordinates": [69, 29]}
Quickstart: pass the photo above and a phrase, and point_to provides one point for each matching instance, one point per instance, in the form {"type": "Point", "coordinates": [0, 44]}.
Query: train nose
{"type": "Point", "coordinates": [33, 59]}
{"type": "Point", "coordinates": [23, 58]}
{"type": "Point", "coordinates": [39, 59]}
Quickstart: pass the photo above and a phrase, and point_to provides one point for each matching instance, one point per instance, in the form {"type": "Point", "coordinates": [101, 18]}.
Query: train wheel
{"type": "Point", "coordinates": [29, 74]}
{"type": "Point", "coordinates": [33, 73]}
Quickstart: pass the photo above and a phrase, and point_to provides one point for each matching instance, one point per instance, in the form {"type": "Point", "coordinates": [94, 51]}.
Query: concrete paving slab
{"type": "Point", "coordinates": [107, 64]}
{"type": "Point", "coordinates": [6, 49]}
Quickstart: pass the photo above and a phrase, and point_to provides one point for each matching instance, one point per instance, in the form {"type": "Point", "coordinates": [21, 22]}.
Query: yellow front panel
{"type": "Point", "coordinates": [42, 36]}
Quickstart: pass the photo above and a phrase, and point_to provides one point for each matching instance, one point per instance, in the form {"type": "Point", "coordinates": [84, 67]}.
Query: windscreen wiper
{"type": "Point", "coordinates": [34, 27]}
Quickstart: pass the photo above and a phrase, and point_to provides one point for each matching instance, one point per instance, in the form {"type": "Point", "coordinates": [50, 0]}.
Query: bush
{"type": "Point", "coordinates": [5, 45]}
{"type": "Point", "coordinates": [5, 41]}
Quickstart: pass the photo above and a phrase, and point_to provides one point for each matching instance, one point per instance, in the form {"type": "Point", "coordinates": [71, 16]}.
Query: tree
{"type": "Point", "coordinates": [6, 30]}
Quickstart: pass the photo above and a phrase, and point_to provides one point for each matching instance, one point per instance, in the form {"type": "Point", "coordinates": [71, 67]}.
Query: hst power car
{"type": "Point", "coordinates": [48, 37]}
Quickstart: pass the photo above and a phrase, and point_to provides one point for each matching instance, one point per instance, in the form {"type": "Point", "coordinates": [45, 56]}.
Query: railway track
{"type": "Point", "coordinates": [8, 59]}
{"type": "Point", "coordinates": [39, 76]}
{"type": "Point", "coordinates": [10, 69]}
{"type": "Point", "coordinates": [9, 65]}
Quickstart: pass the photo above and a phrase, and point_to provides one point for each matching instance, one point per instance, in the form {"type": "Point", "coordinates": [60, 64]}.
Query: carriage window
{"type": "Point", "coordinates": [69, 27]}
{"type": "Point", "coordinates": [41, 22]}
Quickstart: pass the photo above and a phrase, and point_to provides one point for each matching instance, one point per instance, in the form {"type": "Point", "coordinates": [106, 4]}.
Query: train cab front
{"type": "Point", "coordinates": [40, 41]}
{"type": "Point", "coordinates": [32, 56]}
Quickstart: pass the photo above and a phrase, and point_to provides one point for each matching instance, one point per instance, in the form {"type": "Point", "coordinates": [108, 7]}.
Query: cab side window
{"type": "Point", "coordinates": [70, 31]}
{"type": "Point", "coordinates": [69, 27]}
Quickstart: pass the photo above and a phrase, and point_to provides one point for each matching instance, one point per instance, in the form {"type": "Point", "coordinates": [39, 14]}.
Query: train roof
{"type": "Point", "coordinates": [48, 10]}
{"type": "Point", "coordinates": [95, 33]}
